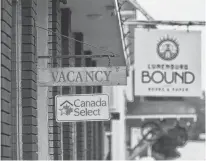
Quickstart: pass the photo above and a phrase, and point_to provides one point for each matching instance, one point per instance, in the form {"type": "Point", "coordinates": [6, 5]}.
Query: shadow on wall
{"type": "Point", "coordinates": [171, 107]}
{"type": "Point", "coordinates": [199, 127]}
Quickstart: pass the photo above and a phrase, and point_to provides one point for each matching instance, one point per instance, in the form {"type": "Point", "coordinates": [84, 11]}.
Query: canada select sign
{"type": "Point", "coordinates": [72, 108]}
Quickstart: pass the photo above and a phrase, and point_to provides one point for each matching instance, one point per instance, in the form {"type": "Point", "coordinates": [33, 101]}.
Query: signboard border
{"type": "Point", "coordinates": [81, 120]}
{"type": "Point", "coordinates": [144, 92]}
{"type": "Point", "coordinates": [121, 69]}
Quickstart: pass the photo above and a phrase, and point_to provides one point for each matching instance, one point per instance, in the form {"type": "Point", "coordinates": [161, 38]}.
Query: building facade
{"type": "Point", "coordinates": [29, 131]}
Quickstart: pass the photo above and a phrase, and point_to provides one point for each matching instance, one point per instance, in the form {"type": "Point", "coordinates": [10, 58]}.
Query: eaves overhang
{"type": "Point", "coordinates": [98, 22]}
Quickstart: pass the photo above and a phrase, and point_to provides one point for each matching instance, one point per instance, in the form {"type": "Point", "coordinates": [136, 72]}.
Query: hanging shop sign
{"type": "Point", "coordinates": [167, 63]}
{"type": "Point", "coordinates": [82, 76]}
{"type": "Point", "coordinates": [72, 108]}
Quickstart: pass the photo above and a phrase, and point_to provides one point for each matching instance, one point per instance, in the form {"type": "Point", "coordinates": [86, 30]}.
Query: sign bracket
{"type": "Point", "coordinates": [79, 56]}
{"type": "Point", "coordinates": [168, 23]}
{"type": "Point", "coordinates": [76, 56]}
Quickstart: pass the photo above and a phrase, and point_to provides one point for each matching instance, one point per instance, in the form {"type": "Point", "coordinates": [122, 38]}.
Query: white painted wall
{"type": "Point", "coordinates": [42, 95]}
{"type": "Point", "coordinates": [118, 126]}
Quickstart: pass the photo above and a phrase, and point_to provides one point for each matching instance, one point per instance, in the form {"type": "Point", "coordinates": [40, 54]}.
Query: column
{"type": "Point", "coordinates": [118, 126]}
{"type": "Point", "coordinates": [101, 138]}
{"type": "Point", "coordinates": [29, 79]}
{"type": "Point", "coordinates": [54, 48]}
{"type": "Point", "coordinates": [68, 49]}
{"type": "Point", "coordinates": [89, 125]}
{"type": "Point", "coordinates": [95, 126]}
{"type": "Point", "coordinates": [14, 80]}
{"type": "Point", "coordinates": [42, 96]}
{"type": "Point", "coordinates": [80, 126]}
{"type": "Point", "coordinates": [99, 132]}
{"type": "Point", "coordinates": [0, 67]}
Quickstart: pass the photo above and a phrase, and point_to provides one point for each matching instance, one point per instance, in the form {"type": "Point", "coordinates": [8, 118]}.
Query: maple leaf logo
{"type": "Point", "coordinates": [66, 108]}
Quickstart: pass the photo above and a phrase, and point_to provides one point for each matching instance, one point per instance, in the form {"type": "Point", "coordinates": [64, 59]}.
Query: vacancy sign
{"type": "Point", "coordinates": [167, 63]}
{"type": "Point", "coordinates": [73, 108]}
{"type": "Point", "coordinates": [82, 76]}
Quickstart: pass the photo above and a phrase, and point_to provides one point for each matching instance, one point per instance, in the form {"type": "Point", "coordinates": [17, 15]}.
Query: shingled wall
{"type": "Point", "coordinates": [54, 48]}
{"type": "Point", "coordinates": [6, 30]}
{"type": "Point", "coordinates": [29, 80]}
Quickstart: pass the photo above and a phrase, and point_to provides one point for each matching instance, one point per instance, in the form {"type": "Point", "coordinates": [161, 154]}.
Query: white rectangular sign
{"type": "Point", "coordinates": [73, 108]}
{"type": "Point", "coordinates": [167, 63]}
{"type": "Point", "coordinates": [82, 76]}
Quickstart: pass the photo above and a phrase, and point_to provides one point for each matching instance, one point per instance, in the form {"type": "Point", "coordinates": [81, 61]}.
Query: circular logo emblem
{"type": "Point", "coordinates": [167, 49]}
